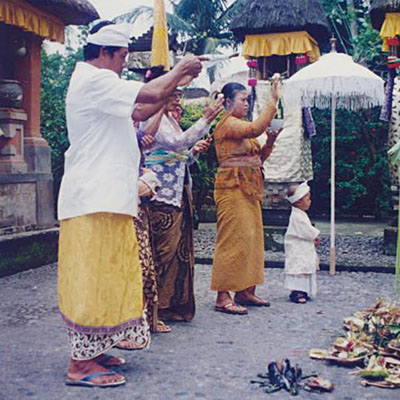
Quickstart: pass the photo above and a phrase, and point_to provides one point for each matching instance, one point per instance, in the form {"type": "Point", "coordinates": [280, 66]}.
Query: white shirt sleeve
{"type": "Point", "coordinates": [302, 228]}
{"type": "Point", "coordinates": [113, 95]}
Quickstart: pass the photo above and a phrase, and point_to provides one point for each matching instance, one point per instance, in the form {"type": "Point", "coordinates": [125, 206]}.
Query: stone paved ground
{"type": "Point", "coordinates": [351, 249]}
{"type": "Point", "coordinates": [214, 357]}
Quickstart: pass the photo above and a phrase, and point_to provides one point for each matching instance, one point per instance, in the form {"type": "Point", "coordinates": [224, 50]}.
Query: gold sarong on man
{"type": "Point", "coordinates": [100, 279]}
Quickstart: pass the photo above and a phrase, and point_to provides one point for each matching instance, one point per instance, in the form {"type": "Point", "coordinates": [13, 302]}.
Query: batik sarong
{"type": "Point", "coordinates": [142, 225]}
{"type": "Point", "coordinates": [172, 233]}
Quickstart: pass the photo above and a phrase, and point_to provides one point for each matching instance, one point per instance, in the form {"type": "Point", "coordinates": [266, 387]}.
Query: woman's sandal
{"type": "Point", "coordinates": [162, 327]}
{"type": "Point", "coordinates": [131, 346]}
{"type": "Point", "coordinates": [298, 297]}
{"type": "Point", "coordinates": [231, 308]}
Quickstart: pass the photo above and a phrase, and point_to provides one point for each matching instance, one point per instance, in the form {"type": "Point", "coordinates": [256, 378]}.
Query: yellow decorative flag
{"type": "Point", "coordinates": [159, 45]}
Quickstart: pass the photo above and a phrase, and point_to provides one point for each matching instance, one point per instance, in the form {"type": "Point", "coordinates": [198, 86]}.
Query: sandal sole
{"type": "Point", "coordinates": [89, 384]}
{"type": "Point", "coordinates": [226, 310]}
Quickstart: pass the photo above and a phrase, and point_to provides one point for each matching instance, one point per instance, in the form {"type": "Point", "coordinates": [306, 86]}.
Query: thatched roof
{"type": "Point", "coordinates": [271, 16]}
{"type": "Point", "coordinates": [144, 42]}
{"type": "Point", "coordinates": [379, 8]}
{"type": "Point", "coordinates": [71, 12]}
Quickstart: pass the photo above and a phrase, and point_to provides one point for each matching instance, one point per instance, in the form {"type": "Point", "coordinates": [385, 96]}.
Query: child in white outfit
{"type": "Point", "coordinates": [301, 238]}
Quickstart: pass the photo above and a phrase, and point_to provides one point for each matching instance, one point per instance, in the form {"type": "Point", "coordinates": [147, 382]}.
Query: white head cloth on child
{"type": "Point", "coordinates": [112, 35]}
{"type": "Point", "coordinates": [300, 192]}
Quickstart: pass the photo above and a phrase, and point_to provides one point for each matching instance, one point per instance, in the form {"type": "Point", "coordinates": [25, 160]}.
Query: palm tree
{"type": "Point", "coordinates": [201, 25]}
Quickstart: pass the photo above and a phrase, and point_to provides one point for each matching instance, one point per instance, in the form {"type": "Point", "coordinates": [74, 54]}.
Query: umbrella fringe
{"type": "Point", "coordinates": [352, 91]}
{"type": "Point", "coordinates": [348, 99]}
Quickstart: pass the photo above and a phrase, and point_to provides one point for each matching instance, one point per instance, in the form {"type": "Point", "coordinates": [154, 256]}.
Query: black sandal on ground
{"type": "Point", "coordinates": [298, 297]}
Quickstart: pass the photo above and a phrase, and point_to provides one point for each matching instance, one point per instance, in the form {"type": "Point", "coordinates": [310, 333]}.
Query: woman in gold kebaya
{"type": "Point", "coordinates": [239, 255]}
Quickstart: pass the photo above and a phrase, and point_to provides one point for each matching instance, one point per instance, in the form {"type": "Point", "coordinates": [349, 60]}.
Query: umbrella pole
{"type": "Point", "coordinates": [332, 258]}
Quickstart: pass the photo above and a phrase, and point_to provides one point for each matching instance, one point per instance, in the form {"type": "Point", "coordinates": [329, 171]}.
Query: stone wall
{"type": "Point", "coordinates": [23, 251]}
{"type": "Point", "coordinates": [26, 202]}
{"type": "Point", "coordinates": [17, 206]}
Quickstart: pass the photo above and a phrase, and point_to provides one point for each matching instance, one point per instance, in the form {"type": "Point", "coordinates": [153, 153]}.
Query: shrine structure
{"type": "Point", "coordinates": [26, 182]}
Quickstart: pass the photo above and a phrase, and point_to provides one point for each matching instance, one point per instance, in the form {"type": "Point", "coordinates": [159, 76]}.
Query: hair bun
{"type": "Point", "coordinates": [216, 94]}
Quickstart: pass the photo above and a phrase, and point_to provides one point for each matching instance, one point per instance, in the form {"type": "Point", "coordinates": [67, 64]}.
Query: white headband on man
{"type": "Point", "coordinates": [299, 193]}
{"type": "Point", "coordinates": [112, 35]}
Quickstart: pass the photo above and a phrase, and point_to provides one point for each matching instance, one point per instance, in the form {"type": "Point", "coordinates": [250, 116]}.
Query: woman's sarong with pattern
{"type": "Point", "coordinates": [172, 232]}
{"type": "Point", "coordinates": [150, 292]}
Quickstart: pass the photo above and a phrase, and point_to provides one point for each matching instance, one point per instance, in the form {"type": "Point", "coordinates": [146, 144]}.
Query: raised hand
{"type": "Point", "coordinates": [211, 111]}
{"type": "Point", "coordinates": [190, 65]}
{"type": "Point", "coordinates": [201, 146]}
{"type": "Point", "coordinates": [275, 87]}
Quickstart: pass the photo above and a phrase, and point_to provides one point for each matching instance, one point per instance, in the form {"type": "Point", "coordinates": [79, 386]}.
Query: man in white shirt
{"type": "Point", "coordinates": [100, 280]}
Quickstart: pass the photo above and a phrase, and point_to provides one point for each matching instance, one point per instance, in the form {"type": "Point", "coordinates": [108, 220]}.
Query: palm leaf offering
{"type": "Point", "coordinates": [372, 341]}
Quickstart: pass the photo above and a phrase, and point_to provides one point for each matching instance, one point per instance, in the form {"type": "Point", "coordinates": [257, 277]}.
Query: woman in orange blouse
{"type": "Point", "coordinates": [239, 254]}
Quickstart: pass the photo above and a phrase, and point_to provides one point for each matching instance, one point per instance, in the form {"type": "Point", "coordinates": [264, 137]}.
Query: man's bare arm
{"type": "Point", "coordinates": [143, 112]}
{"type": "Point", "coordinates": [162, 87]}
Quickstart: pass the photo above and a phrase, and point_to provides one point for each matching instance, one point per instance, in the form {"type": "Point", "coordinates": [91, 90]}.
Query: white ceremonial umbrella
{"type": "Point", "coordinates": [335, 81]}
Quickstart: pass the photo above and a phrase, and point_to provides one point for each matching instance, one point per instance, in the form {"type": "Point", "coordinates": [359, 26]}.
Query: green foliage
{"type": "Point", "coordinates": [56, 73]}
{"type": "Point", "coordinates": [209, 21]}
{"type": "Point", "coordinates": [362, 174]}
{"type": "Point", "coordinates": [351, 25]}
{"type": "Point", "coordinates": [367, 47]}
{"type": "Point", "coordinates": [203, 171]}
{"type": "Point", "coordinates": [190, 114]}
